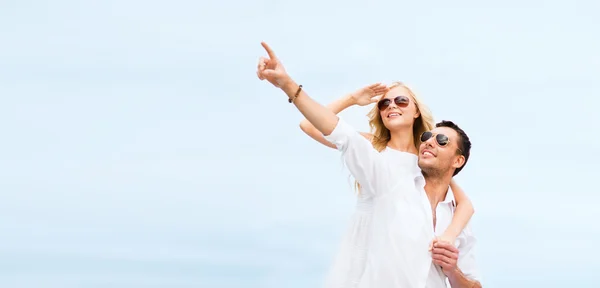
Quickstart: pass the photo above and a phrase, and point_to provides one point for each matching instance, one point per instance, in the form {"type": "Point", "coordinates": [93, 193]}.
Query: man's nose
{"type": "Point", "coordinates": [429, 143]}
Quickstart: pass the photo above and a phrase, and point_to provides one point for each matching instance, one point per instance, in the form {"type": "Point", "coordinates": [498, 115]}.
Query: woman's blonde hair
{"type": "Point", "coordinates": [382, 135]}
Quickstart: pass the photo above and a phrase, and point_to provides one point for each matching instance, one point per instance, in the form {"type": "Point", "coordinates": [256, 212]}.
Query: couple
{"type": "Point", "coordinates": [410, 228]}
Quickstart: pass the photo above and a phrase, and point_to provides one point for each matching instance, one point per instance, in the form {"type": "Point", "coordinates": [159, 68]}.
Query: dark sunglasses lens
{"type": "Point", "coordinates": [441, 139]}
{"type": "Point", "coordinates": [383, 104]}
{"type": "Point", "coordinates": [425, 136]}
{"type": "Point", "coordinates": [401, 101]}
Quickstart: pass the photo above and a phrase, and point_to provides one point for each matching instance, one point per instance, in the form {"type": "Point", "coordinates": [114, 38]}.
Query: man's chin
{"type": "Point", "coordinates": [426, 163]}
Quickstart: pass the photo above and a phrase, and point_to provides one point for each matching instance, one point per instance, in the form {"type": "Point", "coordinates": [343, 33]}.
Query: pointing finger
{"type": "Point", "coordinates": [269, 50]}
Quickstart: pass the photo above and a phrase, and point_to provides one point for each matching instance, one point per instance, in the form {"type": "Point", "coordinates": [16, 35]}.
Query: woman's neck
{"type": "Point", "coordinates": [403, 140]}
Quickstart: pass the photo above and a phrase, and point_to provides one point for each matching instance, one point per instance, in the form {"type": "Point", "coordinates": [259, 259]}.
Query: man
{"type": "Point", "coordinates": [409, 208]}
{"type": "Point", "coordinates": [442, 154]}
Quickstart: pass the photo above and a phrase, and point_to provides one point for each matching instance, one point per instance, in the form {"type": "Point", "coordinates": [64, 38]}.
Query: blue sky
{"type": "Point", "coordinates": [140, 150]}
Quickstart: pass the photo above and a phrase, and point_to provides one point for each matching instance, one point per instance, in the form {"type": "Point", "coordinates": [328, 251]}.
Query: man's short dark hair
{"type": "Point", "coordinates": [463, 141]}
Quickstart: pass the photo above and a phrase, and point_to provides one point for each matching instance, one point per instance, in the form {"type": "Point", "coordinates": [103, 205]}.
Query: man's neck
{"type": "Point", "coordinates": [403, 140]}
{"type": "Point", "coordinates": [436, 188]}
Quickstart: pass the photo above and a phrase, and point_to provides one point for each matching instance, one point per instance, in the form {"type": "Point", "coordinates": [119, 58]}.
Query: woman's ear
{"type": "Point", "coordinates": [417, 114]}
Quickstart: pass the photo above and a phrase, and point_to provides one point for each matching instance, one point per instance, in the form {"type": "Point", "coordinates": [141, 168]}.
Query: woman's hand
{"type": "Point", "coordinates": [444, 238]}
{"type": "Point", "coordinates": [271, 69]}
{"type": "Point", "coordinates": [367, 95]}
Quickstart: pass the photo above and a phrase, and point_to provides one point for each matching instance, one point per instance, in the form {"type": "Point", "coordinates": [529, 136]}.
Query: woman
{"type": "Point", "coordinates": [397, 122]}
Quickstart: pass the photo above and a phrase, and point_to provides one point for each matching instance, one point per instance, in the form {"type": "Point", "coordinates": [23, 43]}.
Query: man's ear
{"type": "Point", "coordinates": [459, 162]}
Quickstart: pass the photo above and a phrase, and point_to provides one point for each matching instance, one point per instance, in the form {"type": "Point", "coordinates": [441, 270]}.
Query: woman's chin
{"type": "Point", "coordinates": [396, 124]}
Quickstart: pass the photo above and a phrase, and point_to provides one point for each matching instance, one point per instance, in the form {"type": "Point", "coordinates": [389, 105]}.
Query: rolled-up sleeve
{"type": "Point", "coordinates": [364, 162]}
{"type": "Point", "coordinates": [466, 255]}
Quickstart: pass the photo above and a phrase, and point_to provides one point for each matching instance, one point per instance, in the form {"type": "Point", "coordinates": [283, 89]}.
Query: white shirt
{"type": "Point", "coordinates": [387, 242]}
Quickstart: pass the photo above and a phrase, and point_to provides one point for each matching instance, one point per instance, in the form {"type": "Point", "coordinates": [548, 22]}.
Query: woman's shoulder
{"type": "Point", "coordinates": [401, 159]}
{"type": "Point", "coordinates": [399, 153]}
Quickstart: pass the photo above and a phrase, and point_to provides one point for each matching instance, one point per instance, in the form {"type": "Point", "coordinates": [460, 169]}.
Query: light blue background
{"type": "Point", "coordinates": [139, 149]}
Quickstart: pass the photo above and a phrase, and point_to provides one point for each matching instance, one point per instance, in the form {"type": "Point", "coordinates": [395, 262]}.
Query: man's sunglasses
{"type": "Point", "coordinates": [441, 139]}
{"type": "Point", "coordinates": [401, 101]}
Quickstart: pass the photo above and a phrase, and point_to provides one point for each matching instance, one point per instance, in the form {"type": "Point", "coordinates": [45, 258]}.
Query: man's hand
{"type": "Point", "coordinates": [271, 69]}
{"type": "Point", "coordinates": [445, 255]}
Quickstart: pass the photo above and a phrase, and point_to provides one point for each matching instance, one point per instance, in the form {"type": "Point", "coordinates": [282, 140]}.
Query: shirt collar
{"type": "Point", "coordinates": [420, 181]}
{"type": "Point", "coordinates": [449, 197]}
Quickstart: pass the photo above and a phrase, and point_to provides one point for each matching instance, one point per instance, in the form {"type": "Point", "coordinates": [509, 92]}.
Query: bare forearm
{"type": "Point", "coordinates": [336, 107]}
{"type": "Point", "coordinates": [463, 213]}
{"type": "Point", "coordinates": [340, 104]}
{"type": "Point", "coordinates": [321, 117]}
{"type": "Point", "coordinates": [459, 280]}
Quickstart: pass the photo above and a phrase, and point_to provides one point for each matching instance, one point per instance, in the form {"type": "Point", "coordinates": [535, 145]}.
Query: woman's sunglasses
{"type": "Point", "coordinates": [441, 139]}
{"type": "Point", "coordinates": [401, 101]}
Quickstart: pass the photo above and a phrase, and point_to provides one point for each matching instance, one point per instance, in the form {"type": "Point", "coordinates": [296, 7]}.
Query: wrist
{"type": "Point", "coordinates": [348, 100]}
{"type": "Point", "coordinates": [448, 236]}
{"type": "Point", "coordinates": [454, 275]}
{"type": "Point", "coordinates": [289, 86]}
